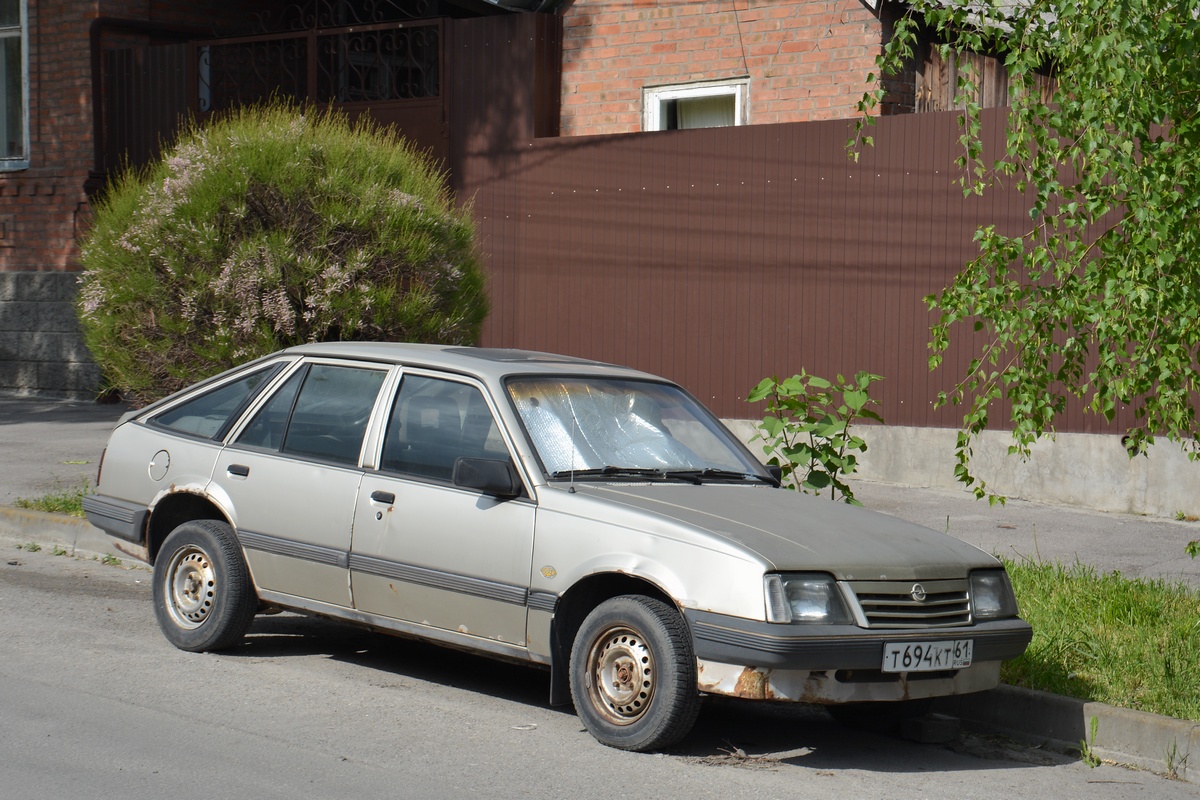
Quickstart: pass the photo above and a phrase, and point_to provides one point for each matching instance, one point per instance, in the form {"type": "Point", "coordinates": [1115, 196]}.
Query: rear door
{"type": "Point", "coordinates": [292, 476]}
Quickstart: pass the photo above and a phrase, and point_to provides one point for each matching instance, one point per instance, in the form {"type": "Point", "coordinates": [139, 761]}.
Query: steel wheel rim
{"type": "Point", "coordinates": [622, 673]}
{"type": "Point", "coordinates": [191, 587]}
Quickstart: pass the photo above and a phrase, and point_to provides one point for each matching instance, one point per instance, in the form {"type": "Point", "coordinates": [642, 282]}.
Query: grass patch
{"type": "Point", "coordinates": [1127, 642]}
{"type": "Point", "coordinates": [63, 501]}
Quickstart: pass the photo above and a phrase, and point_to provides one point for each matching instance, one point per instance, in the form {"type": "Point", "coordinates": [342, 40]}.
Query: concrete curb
{"type": "Point", "coordinates": [77, 536]}
{"type": "Point", "coordinates": [1130, 738]}
{"type": "Point", "coordinates": [1163, 745]}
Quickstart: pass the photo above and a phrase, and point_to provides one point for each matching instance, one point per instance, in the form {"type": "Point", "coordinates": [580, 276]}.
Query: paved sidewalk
{"type": "Point", "coordinates": [1135, 546]}
{"type": "Point", "coordinates": [48, 445]}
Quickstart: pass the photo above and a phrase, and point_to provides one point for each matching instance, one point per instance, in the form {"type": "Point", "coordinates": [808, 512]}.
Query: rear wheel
{"type": "Point", "coordinates": [203, 596]}
{"type": "Point", "coordinates": [633, 674]}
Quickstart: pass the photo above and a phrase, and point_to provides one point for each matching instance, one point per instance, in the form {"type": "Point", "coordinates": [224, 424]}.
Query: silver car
{"type": "Point", "coordinates": [587, 518]}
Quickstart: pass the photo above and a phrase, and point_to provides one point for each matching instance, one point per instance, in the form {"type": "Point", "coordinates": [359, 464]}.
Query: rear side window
{"type": "Point", "coordinates": [269, 424]}
{"type": "Point", "coordinates": [321, 412]}
{"type": "Point", "coordinates": [211, 414]}
{"type": "Point", "coordinates": [331, 414]}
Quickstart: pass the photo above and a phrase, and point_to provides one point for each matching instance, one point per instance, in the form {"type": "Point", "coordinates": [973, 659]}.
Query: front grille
{"type": "Point", "coordinates": [891, 604]}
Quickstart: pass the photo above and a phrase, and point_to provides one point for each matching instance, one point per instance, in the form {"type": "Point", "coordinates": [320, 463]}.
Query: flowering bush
{"type": "Point", "coordinates": [268, 228]}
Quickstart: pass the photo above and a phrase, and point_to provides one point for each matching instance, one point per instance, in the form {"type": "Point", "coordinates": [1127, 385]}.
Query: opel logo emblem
{"type": "Point", "coordinates": [918, 593]}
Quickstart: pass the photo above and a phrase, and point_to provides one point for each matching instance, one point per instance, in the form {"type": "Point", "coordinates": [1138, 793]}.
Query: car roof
{"type": "Point", "coordinates": [485, 362]}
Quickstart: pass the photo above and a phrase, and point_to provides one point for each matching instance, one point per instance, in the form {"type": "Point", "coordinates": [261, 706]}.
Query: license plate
{"type": "Point", "coordinates": [927, 656]}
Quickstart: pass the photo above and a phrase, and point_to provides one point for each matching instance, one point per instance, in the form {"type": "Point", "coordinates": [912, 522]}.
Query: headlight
{"type": "Point", "coordinates": [992, 595]}
{"type": "Point", "coordinates": [810, 598]}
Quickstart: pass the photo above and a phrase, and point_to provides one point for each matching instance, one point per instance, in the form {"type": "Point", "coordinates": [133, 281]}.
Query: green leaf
{"type": "Point", "coordinates": [855, 399]}
{"type": "Point", "coordinates": [817, 480]}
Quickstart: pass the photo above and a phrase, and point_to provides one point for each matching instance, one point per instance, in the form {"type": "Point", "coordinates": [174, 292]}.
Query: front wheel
{"type": "Point", "coordinates": [203, 596]}
{"type": "Point", "coordinates": [633, 674]}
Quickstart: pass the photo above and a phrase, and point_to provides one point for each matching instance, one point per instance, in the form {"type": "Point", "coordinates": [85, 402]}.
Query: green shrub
{"type": "Point", "coordinates": [267, 228]}
{"type": "Point", "coordinates": [806, 430]}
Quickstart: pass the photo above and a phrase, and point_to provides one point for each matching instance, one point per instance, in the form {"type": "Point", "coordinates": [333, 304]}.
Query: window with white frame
{"type": "Point", "coordinates": [716, 104]}
{"type": "Point", "coordinates": [14, 120]}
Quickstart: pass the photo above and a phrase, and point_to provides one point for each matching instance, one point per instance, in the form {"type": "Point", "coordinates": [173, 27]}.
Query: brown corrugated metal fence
{"type": "Point", "coordinates": [719, 256]}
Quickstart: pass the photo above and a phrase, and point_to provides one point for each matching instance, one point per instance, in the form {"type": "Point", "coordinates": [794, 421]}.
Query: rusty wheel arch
{"type": "Point", "coordinates": [172, 511]}
{"type": "Point", "coordinates": [574, 606]}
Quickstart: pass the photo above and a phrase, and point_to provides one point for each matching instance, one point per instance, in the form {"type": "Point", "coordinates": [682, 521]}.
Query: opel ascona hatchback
{"type": "Point", "coordinates": [588, 518]}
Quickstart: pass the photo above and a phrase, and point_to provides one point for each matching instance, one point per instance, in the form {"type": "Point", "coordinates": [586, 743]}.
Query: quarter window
{"type": "Point", "coordinates": [210, 414]}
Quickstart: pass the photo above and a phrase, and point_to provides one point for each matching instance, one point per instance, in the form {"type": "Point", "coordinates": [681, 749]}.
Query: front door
{"type": "Point", "coordinates": [426, 551]}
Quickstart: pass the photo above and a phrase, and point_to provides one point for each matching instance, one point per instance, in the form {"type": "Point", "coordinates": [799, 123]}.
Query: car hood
{"type": "Point", "coordinates": [794, 531]}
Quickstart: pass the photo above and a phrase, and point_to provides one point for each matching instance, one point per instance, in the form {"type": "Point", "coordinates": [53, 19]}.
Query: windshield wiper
{"type": "Point", "coordinates": [628, 472]}
{"type": "Point", "coordinates": [714, 474]}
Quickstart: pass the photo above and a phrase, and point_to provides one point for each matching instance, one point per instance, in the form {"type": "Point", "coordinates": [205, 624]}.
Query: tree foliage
{"type": "Point", "coordinates": [1099, 297]}
{"type": "Point", "coordinates": [266, 228]}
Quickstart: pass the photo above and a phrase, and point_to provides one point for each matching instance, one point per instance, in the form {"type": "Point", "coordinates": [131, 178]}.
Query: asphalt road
{"type": "Point", "coordinates": [96, 704]}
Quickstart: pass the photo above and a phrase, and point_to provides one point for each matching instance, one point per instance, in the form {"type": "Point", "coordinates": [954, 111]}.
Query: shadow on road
{"type": "Point", "coordinates": [729, 733]}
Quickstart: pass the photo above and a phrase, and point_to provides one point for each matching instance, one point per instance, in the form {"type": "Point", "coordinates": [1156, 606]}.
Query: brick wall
{"type": "Point", "coordinates": [42, 207]}
{"type": "Point", "coordinates": [805, 59]}
{"type": "Point", "coordinates": [45, 208]}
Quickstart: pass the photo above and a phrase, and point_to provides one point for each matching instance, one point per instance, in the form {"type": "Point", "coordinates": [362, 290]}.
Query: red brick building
{"type": "Point", "coordinates": [645, 64]}
{"type": "Point", "coordinates": [91, 84]}
{"type": "Point", "coordinates": [49, 166]}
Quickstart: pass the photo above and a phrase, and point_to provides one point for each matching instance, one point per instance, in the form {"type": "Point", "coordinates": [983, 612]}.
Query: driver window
{"type": "Point", "coordinates": [433, 423]}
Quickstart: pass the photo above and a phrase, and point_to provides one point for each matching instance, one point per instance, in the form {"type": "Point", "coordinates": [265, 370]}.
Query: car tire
{"type": "Point", "coordinates": [203, 596]}
{"type": "Point", "coordinates": [633, 674]}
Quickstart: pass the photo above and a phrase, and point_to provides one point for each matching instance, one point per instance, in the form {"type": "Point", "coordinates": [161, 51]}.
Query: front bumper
{"type": "Point", "coordinates": [839, 663]}
{"type": "Point", "coordinates": [732, 640]}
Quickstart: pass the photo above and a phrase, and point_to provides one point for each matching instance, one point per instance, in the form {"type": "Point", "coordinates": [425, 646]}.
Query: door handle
{"type": "Point", "coordinates": [387, 498]}
{"type": "Point", "coordinates": [238, 470]}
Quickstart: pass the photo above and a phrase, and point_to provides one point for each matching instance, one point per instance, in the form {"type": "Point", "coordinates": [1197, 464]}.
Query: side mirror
{"type": "Point", "coordinates": [776, 473]}
{"type": "Point", "coordinates": [493, 476]}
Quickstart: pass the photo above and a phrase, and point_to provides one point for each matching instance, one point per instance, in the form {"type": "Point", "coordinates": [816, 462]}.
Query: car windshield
{"type": "Point", "coordinates": [599, 428]}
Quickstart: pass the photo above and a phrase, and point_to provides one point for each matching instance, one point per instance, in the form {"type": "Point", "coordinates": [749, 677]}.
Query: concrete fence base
{"type": "Point", "coordinates": [41, 351]}
{"type": "Point", "coordinates": [1073, 469]}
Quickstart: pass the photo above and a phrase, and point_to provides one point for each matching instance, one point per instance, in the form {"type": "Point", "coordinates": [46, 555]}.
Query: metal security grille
{"type": "Point", "coordinates": [914, 604]}
{"type": "Point", "coordinates": [381, 63]}
{"type": "Point", "coordinates": [242, 72]}
{"type": "Point", "coordinates": [313, 14]}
